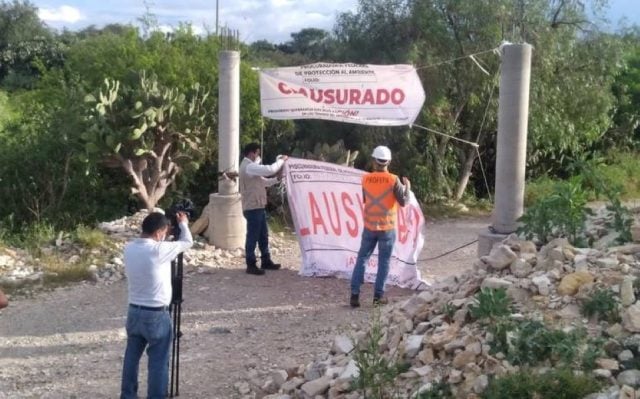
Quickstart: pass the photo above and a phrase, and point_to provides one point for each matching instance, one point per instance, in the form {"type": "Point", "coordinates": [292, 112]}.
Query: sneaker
{"type": "Point", "coordinates": [380, 301]}
{"type": "Point", "coordinates": [269, 265]}
{"type": "Point", "coordinates": [354, 301]}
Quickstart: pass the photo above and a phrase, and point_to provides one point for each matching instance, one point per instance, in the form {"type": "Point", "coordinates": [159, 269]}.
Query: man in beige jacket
{"type": "Point", "coordinates": [254, 179]}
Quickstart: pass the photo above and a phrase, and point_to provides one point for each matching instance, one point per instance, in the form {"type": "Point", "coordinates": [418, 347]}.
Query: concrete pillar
{"type": "Point", "coordinates": [229, 118]}
{"type": "Point", "coordinates": [513, 114]}
{"type": "Point", "coordinates": [227, 227]}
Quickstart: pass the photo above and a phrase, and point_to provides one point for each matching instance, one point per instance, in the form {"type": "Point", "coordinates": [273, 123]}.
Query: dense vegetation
{"type": "Point", "coordinates": [81, 112]}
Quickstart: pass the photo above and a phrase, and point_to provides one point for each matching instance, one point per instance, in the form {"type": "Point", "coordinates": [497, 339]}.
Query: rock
{"type": "Point", "coordinates": [500, 257]}
{"type": "Point", "coordinates": [572, 282]}
{"type": "Point", "coordinates": [291, 385]}
{"type": "Point", "coordinates": [495, 283]}
{"type": "Point", "coordinates": [602, 373]}
{"type": "Point", "coordinates": [631, 318]}
{"type": "Point", "coordinates": [242, 387]}
{"type": "Point", "coordinates": [441, 336]}
{"type": "Point", "coordinates": [279, 377]}
{"type": "Point", "coordinates": [580, 263]}
{"type": "Point", "coordinates": [542, 283]}
{"type": "Point", "coordinates": [521, 268]}
{"type": "Point", "coordinates": [316, 387]}
{"type": "Point", "coordinates": [412, 305]}
{"type": "Point", "coordinates": [422, 371]}
{"type": "Point", "coordinates": [607, 364]}
{"type": "Point", "coordinates": [480, 384]}
{"type": "Point", "coordinates": [452, 346]}
{"type": "Point", "coordinates": [629, 377]}
{"type": "Point", "coordinates": [607, 263]}
{"type": "Point", "coordinates": [455, 376]}
{"type": "Point", "coordinates": [413, 345]}
{"type": "Point", "coordinates": [625, 355]}
{"type": "Point", "coordinates": [627, 296]}
{"type": "Point", "coordinates": [350, 372]}
{"type": "Point", "coordinates": [463, 358]}
{"type": "Point", "coordinates": [556, 254]}
{"type": "Point", "coordinates": [342, 345]}
{"type": "Point", "coordinates": [626, 392]}
{"type": "Point", "coordinates": [570, 312]}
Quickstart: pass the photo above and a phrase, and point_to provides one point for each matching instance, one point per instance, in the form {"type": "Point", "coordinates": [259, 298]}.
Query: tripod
{"type": "Point", "coordinates": [176, 311]}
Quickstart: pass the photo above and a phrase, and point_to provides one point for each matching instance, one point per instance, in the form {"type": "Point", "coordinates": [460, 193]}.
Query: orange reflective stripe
{"type": "Point", "coordinates": [380, 203]}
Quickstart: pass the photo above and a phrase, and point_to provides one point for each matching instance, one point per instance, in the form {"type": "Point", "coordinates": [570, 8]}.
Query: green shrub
{"type": "Point", "coordinates": [439, 390]}
{"type": "Point", "coordinates": [490, 304]}
{"type": "Point", "coordinates": [555, 384]}
{"type": "Point", "coordinates": [561, 214]}
{"type": "Point", "coordinates": [377, 373]}
{"type": "Point", "coordinates": [90, 238]}
{"type": "Point", "coordinates": [603, 305]}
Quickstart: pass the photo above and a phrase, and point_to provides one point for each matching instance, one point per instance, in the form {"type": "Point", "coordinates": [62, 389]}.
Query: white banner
{"type": "Point", "coordinates": [379, 95]}
{"type": "Point", "coordinates": [326, 203]}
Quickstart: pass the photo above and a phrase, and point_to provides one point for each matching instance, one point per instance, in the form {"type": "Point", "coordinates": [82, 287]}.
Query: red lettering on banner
{"type": "Point", "coordinates": [347, 203]}
{"type": "Point", "coordinates": [354, 95]}
{"type": "Point", "coordinates": [403, 229]}
{"type": "Point", "coordinates": [284, 89]}
{"type": "Point", "coordinates": [368, 97]}
{"type": "Point", "coordinates": [316, 216]}
{"type": "Point", "coordinates": [347, 96]}
{"type": "Point", "coordinates": [408, 222]}
{"type": "Point", "coordinates": [359, 199]}
{"type": "Point", "coordinates": [382, 97]}
{"type": "Point", "coordinates": [337, 229]}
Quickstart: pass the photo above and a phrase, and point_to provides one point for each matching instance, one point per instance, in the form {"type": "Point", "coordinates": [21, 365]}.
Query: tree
{"type": "Point", "coordinates": [573, 68]}
{"type": "Point", "coordinates": [314, 44]}
{"type": "Point", "coordinates": [26, 45]}
{"type": "Point", "coordinates": [150, 131]}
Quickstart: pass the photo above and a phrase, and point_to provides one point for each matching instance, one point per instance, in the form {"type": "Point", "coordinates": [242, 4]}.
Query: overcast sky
{"type": "Point", "coordinates": [273, 20]}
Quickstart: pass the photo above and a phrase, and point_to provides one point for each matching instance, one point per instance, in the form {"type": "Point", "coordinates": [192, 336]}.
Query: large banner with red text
{"type": "Point", "coordinates": [379, 95]}
{"type": "Point", "coordinates": [326, 203]}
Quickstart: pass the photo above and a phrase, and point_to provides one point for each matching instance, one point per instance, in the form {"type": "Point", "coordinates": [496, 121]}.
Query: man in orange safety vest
{"type": "Point", "coordinates": [382, 193]}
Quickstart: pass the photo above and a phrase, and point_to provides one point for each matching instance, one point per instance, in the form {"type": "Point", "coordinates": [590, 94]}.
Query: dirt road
{"type": "Point", "coordinates": [69, 343]}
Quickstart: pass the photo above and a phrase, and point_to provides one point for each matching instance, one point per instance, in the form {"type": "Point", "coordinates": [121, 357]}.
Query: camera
{"type": "Point", "coordinates": [184, 205]}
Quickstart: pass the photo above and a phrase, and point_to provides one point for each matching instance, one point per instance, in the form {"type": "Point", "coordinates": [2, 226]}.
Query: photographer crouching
{"type": "Point", "coordinates": [147, 262]}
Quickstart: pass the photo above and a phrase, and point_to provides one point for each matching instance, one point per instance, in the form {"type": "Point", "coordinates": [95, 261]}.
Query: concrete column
{"type": "Point", "coordinates": [513, 114]}
{"type": "Point", "coordinates": [227, 227]}
{"type": "Point", "coordinates": [229, 118]}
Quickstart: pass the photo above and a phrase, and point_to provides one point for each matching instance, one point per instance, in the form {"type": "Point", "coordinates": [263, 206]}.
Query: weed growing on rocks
{"type": "Point", "coordinates": [556, 384]}
{"type": "Point", "coordinates": [490, 304]}
{"type": "Point", "coordinates": [377, 372]}
{"type": "Point", "coordinates": [603, 305]}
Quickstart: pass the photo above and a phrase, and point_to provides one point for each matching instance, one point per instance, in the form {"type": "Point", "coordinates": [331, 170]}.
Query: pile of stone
{"type": "Point", "coordinates": [546, 284]}
{"type": "Point", "coordinates": [20, 269]}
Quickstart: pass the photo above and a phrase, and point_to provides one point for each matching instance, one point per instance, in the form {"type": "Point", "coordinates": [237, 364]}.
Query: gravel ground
{"type": "Point", "coordinates": [69, 343]}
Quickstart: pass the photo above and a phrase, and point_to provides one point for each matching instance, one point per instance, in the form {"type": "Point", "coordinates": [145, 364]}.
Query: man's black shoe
{"type": "Point", "coordinates": [269, 265]}
{"type": "Point", "coordinates": [354, 301]}
{"type": "Point", "coordinates": [253, 269]}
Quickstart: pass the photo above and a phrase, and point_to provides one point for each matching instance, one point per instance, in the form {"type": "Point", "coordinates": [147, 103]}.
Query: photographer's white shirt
{"type": "Point", "coordinates": [147, 264]}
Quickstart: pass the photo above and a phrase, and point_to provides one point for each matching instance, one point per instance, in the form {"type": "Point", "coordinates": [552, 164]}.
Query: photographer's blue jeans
{"type": "Point", "coordinates": [257, 233]}
{"type": "Point", "coordinates": [385, 241]}
{"type": "Point", "coordinates": [150, 329]}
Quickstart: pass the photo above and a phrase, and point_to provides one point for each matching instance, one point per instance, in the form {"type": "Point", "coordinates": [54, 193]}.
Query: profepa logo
{"type": "Point", "coordinates": [347, 96]}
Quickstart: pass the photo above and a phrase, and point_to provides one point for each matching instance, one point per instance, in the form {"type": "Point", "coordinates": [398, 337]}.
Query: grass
{"type": "Point", "coordinates": [59, 270]}
{"type": "Point", "coordinates": [620, 170]}
{"type": "Point", "coordinates": [91, 238]}
{"type": "Point", "coordinates": [555, 384]}
{"type": "Point", "coordinates": [92, 245]}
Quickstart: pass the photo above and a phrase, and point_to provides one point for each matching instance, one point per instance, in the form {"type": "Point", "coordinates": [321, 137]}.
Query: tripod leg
{"type": "Point", "coordinates": [178, 335]}
{"type": "Point", "coordinates": [173, 351]}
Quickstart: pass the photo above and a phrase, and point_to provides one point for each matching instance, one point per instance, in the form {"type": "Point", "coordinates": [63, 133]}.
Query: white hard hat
{"type": "Point", "coordinates": [382, 153]}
